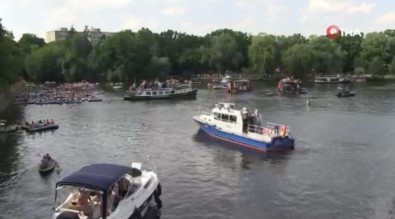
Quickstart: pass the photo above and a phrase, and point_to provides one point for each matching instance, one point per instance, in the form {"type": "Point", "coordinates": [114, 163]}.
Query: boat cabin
{"type": "Point", "coordinates": [97, 191]}
{"type": "Point", "coordinates": [239, 86]}
{"type": "Point", "coordinates": [226, 116]}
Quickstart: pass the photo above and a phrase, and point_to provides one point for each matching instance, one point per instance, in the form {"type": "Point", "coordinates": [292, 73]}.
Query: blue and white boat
{"type": "Point", "coordinates": [106, 191]}
{"type": "Point", "coordinates": [227, 123]}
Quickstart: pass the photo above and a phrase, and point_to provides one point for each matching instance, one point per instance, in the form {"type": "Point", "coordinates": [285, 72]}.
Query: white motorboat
{"type": "Point", "coordinates": [106, 191]}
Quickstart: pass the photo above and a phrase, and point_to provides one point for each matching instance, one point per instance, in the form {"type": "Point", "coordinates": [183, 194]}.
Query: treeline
{"type": "Point", "coordinates": [129, 55]}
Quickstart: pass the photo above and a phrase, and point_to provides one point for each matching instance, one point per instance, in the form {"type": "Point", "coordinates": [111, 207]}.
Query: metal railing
{"type": "Point", "coordinates": [271, 129]}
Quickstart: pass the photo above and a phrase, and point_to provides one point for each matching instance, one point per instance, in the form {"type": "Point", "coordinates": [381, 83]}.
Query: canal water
{"type": "Point", "coordinates": [343, 165]}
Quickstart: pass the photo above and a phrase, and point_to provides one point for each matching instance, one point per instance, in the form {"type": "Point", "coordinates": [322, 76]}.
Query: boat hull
{"type": "Point", "coordinates": [47, 170]}
{"type": "Point", "coordinates": [345, 95]}
{"type": "Point", "coordinates": [40, 129]}
{"type": "Point", "coordinates": [278, 143]}
{"type": "Point", "coordinates": [332, 82]}
{"type": "Point", "coordinates": [186, 95]}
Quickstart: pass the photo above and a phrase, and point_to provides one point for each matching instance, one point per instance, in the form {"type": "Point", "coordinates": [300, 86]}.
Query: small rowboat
{"type": "Point", "coordinates": [39, 128]}
{"type": "Point", "coordinates": [47, 169]}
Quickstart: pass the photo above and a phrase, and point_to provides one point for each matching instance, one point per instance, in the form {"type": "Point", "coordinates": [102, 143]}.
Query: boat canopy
{"type": "Point", "coordinates": [96, 176]}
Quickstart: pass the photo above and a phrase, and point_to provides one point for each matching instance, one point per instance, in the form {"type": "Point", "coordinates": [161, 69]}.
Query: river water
{"type": "Point", "coordinates": [343, 165]}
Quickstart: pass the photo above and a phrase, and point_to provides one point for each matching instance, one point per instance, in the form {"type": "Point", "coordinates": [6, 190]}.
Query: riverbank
{"type": "Point", "coordinates": [7, 96]}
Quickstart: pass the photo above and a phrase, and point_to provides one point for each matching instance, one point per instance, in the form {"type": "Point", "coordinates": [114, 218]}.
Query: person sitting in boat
{"type": "Point", "coordinates": [46, 161]}
{"type": "Point", "coordinates": [83, 202]}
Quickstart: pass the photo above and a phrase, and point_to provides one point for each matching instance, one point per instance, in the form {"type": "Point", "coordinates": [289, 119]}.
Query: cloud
{"type": "Point", "coordinates": [387, 18]}
{"type": "Point", "coordinates": [334, 8]}
{"type": "Point", "coordinates": [135, 23]}
{"type": "Point", "coordinates": [173, 11]}
{"type": "Point", "coordinates": [277, 10]}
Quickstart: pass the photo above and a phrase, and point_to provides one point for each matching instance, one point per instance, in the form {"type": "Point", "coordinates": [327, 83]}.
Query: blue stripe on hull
{"type": "Point", "coordinates": [280, 143]}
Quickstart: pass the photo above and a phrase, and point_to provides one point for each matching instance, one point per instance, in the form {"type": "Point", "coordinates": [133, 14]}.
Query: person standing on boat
{"type": "Point", "coordinates": [244, 114]}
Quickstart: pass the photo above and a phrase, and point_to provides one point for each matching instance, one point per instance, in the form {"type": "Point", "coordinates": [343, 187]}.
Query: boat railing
{"type": "Point", "coordinates": [204, 113]}
{"type": "Point", "coordinates": [258, 129]}
{"type": "Point", "coordinates": [276, 126]}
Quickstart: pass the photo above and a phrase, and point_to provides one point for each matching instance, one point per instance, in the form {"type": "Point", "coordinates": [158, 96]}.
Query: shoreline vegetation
{"type": "Point", "coordinates": [132, 56]}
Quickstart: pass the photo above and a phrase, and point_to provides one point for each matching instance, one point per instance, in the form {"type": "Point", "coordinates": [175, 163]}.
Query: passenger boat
{"type": "Point", "coordinates": [237, 86]}
{"type": "Point", "coordinates": [290, 86]}
{"type": "Point", "coordinates": [331, 80]}
{"type": "Point", "coordinates": [4, 128]}
{"type": "Point", "coordinates": [227, 123]}
{"type": "Point", "coordinates": [114, 192]}
{"type": "Point", "coordinates": [178, 92]}
{"type": "Point", "coordinates": [39, 127]}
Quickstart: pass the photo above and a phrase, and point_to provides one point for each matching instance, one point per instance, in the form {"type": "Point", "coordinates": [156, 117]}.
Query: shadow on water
{"type": "Point", "coordinates": [9, 142]}
{"type": "Point", "coordinates": [249, 157]}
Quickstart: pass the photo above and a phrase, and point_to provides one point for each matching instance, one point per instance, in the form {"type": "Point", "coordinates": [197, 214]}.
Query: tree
{"type": "Point", "coordinates": [392, 67]}
{"type": "Point", "coordinates": [262, 54]}
{"type": "Point", "coordinates": [299, 60]}
{"type": "Point", "coordinates": [28, 40]}
{"type": "Point", "coordinates": [327, 55]}
{"type": "Point", "coordinates": [11, 60]}
{"type": "Point", "coordinates": [376, 67]}
{"type": "Point", "coordinates": [222, 53]}
{"type": "Point", "coordinates": [45, 63]}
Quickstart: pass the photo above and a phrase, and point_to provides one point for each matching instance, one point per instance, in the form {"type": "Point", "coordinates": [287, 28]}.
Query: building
{"type": "Point", "coordinates": [94, 35]}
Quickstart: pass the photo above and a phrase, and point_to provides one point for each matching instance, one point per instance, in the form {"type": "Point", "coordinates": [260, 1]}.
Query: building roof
{"type": "Point", "coordinates": [96, 176]}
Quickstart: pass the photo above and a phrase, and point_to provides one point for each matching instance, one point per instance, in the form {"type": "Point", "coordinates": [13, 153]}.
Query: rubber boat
{"type": "Point", "coordinates": [114, 192]}
{"type": "Point", "coordinates": [39, 127]}
{"type": "Point", "coordinates": [240, 127]}
{"type": "Point", "coordinates": [345, 94]}
{"type": "Point", "coordinates": [47, 168]}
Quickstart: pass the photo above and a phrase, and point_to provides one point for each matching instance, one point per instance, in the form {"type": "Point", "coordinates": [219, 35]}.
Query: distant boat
{"type": "Point", "coordinates": [238, 86]}
{"type": "Point", "coordinates": [240, 127]}
{"type": "Point", "coordinates": [39, 127]}
{"type": "Point", "coordinates": [291, 87]}
{"type": "Point", "coordinates": [178, 92]}
{"type": "Point", "coordinates": [331, 80]}
{"type": "Point", "coordinates": [345, 94]}
{"type": "Point", "coordinates": [4, 128]}
{"type": "Point", "coordinates": [47, 168]}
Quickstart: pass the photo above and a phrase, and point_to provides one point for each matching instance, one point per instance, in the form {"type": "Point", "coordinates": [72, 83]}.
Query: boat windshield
{"type": "Point", "coordinates": [78, 200]}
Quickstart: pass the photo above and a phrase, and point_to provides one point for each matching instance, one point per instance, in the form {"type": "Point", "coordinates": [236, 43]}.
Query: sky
{"type": "Point", "coordinates": [280, 17]}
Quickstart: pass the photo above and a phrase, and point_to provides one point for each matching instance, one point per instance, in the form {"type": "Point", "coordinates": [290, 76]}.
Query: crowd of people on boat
{"type": "Point", "coordinates": [40, 123]}
{"type": "Point", "coordinates": [156, 84]}
{"type": "Point", "coordinates": [65, 93]}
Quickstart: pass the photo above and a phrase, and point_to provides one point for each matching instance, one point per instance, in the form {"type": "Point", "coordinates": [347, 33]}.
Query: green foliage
{"type": "Point", "coordinates": [11, 60]}
{"type": "Point", "coordinates": [392, 67]}
{"type": "Point", "coordinates": [130, 55]}
{"type": "Point", "coordinates": [359, 71]}
{"type": "Point", "coordinates": [376, 67]}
